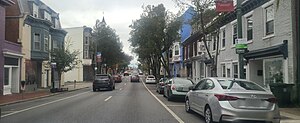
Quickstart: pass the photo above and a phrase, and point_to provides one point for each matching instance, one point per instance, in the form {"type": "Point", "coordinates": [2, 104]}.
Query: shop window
{"type": "Point", "coordinates": [274, 71]}
{"type": "Point", "coordinates": [6, 76]}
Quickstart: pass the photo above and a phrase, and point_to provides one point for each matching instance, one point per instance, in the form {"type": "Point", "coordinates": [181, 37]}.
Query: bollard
{"type": "Point", "coordinates": [74, 84]}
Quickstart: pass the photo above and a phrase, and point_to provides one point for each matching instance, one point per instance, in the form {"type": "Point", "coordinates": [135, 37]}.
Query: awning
{"type": "Point", "coordinates": [281, 49]}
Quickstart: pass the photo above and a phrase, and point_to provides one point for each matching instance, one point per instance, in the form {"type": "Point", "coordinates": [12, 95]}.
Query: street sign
{"type": "Point", "coordinates": [241, 51]}
{"type": "Point", "coordinates": [241, 43]}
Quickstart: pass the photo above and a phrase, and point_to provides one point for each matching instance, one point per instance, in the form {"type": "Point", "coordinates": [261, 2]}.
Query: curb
{"type": "Point", "coordinates": [39, 97]}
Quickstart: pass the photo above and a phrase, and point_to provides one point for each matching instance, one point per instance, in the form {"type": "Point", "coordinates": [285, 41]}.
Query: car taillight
{"type": "Point", "coordinates": [173, 87]}
{"type": "Point", "coordinates": [272, 100]}
{"type": "Point", "coordinates": [222, 97]}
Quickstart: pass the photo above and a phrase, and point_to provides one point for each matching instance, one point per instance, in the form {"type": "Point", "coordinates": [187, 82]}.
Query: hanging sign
{"type": "Point", "coordinates": [224, 5]}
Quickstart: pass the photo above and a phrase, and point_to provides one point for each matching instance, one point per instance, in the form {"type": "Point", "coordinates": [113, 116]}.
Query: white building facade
{"type": "Point", "coordinates": [80, 39]}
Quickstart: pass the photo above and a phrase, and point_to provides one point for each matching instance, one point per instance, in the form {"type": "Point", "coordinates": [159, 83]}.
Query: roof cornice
{"type": "Point", "coordinates": [7, 2]}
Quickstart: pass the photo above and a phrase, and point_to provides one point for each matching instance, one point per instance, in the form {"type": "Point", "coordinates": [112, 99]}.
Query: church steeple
{"type": "Point", "coordinates": [103, 20]}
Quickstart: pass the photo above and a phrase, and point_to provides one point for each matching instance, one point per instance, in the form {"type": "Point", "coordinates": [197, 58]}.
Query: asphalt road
{"type": "Point", "coordinates": [129, 103]}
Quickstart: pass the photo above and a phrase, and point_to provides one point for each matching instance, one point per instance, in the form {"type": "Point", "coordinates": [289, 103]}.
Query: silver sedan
{"type": "Point", "coordinates": [238, 100]}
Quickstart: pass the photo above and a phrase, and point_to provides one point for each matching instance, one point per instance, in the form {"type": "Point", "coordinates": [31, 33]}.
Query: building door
{"type": "Point", "coordinates": [7, 80]}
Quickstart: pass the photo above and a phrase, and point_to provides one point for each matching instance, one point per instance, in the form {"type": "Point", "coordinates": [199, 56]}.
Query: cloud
{"type": "Point", "coordinates": [118, 13]}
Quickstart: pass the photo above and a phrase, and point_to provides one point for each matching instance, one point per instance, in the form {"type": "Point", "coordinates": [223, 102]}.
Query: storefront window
{"type": "Point", "coordinates": [274, 71]}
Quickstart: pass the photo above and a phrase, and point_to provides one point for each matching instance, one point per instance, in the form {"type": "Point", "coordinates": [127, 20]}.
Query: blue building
{"type": "Point", "coordinates": [185, 32]}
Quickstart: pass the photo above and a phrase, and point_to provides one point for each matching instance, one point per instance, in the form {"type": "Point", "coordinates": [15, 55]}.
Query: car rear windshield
{"type": "Point", "coordinates": [183, 81]}
{"type": "Point", "coordinates": [241, 85]}
{"type": "Point", "coordinates": [102, 77]}
{"type": "Point", "coordinates": [151, 77]}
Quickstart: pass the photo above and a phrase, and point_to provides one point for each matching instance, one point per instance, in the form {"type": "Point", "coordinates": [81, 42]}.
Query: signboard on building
{"type": "Point", "coordinates": [224, 5]}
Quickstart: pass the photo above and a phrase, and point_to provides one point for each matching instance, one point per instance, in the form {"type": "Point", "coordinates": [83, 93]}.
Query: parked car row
{"type": "Point", "coordinates": [223, 99]}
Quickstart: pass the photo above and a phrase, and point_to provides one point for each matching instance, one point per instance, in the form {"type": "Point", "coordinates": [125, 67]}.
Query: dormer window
{"type": "Point", "coordinates": [47, 16]}
{"type": "Point", "coordinates": [35, 10]}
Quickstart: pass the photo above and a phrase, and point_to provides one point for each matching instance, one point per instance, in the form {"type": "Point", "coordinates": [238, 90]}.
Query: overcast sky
{"type": "Point", "coordinates": [118, 14]}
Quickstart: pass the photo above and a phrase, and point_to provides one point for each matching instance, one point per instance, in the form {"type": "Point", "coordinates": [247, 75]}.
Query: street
{"type": "Point", "coordinates": [128, 103]}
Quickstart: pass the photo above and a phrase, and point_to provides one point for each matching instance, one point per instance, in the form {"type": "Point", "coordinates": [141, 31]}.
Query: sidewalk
{"type": "Point", "coordinates": [40, 93]}
{"type": "Point", "coordinates": [290, 115]}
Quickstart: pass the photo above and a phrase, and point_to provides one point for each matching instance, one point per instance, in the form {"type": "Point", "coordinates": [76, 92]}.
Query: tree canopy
{"type": "Point", "coordinates": [106, 41]}
{"type": "Point", "coordinates": [152, 35]}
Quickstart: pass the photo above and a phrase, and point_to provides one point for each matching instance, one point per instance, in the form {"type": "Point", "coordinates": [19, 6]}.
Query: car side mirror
{"type": "Point", "coordinates": [192, 88]}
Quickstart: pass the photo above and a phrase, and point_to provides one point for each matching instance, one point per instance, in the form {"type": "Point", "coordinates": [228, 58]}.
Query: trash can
{"type": "Point", "coordinates": [282, 92]}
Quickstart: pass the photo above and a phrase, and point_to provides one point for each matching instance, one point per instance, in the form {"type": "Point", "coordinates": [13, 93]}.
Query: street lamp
{"type": "Point", "coordinates": [53, 66]}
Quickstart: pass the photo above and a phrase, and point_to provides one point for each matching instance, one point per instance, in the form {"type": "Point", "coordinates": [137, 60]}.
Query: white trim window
{"type": "Point", "coordinates": [235, 70]}
{"type": "Point", "coordinates": [37, 41]}
{"type": "Point", "coordinates": [47, 16]}
{"type": "Point", "coordinates": [35, 10]}
{"type": "Point", "coordinates": [269, 20]}
{"type": "Point", "coordinates": [234, 33]}
{"type": "Point", "coordinates": [176, 50]}
{"type": "Point", "coordinates": [249, 21]}
{"type": "Point", "coordinates": [214, 42]}
{"type": "Point", "coordinates": [46, 43]}
{"type": "Point", "coordinates": [55, 44]}
{"type": "Point", "coordinates": [223, 70]}
{"type": "Point", "coordinates": [223, 37]}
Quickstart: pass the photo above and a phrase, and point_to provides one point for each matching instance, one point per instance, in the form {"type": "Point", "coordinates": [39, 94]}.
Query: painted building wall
{"type": "Point", "coordinates": [185, 32]}
{"type": "Point", "coordinates": [282, 31]}
{"type": "Point", "coordinates": [2, 34]}
{"type": "Point", "coordinates": [75, 37]}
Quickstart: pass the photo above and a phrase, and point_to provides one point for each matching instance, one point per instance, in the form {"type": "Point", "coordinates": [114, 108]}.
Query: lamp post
{"type": "Point", "coordinates": [53, 66]}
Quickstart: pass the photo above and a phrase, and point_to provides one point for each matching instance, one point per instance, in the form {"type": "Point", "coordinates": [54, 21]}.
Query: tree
{"type": "Point", "coordinates": [106, 41]}
{"type": "Point", "coordinates": [152, 35]}
{"type": "Point", "coordinates": [65, 59]}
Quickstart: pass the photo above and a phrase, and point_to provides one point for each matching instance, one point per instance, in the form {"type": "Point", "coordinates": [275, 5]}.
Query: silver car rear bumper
{"type": "Point", "coordinates": [229, 113]}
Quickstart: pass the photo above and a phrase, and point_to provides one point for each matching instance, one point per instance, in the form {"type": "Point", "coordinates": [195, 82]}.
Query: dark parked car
{"type": "Point", "coordinates": [117, 78]}
{"type": "Point", "coordinates": [103, 81]}
{"type": "Point", "coordinates": [135, 78]}
{"type": "Point", "coordinates": [161, 84]}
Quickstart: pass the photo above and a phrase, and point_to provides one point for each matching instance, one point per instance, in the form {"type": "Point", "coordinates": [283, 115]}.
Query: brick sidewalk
{"type": "Point", "coordinates": [19, 97]}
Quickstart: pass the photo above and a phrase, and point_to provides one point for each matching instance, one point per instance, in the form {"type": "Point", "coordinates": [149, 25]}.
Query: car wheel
{"type": "Point", "coordinates": [208, 115]}
{"type": "Point", "coordinates": [187, 106]}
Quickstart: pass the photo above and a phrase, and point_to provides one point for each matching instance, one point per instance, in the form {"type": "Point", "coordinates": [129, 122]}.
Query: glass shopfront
{"type": "Point", "coordinates": [274, 71]}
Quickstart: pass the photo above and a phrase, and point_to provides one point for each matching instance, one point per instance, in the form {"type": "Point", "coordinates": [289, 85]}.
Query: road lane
{"type": "Point", "coordinates": [177, 106]}
{"type": "Point", "coordinates": [132, 104]}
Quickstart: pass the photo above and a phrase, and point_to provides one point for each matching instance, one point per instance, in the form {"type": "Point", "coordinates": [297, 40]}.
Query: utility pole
{"type": "Point", "coordinates": [240, 36]}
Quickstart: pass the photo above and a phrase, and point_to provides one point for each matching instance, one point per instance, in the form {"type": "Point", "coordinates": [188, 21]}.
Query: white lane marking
{"type": "Point", "coordinates": [175, 105]}
{"type": "Point", "coordinates": [120, 89]}
{"type": "Point", "coordinates": [166, 107]}
{"type": "Point", "coordinates": [107, 98]}
{"type": "Point", "coordinates": [16, 112]}
{"type": "Point", "coordinates": [125, 84]}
